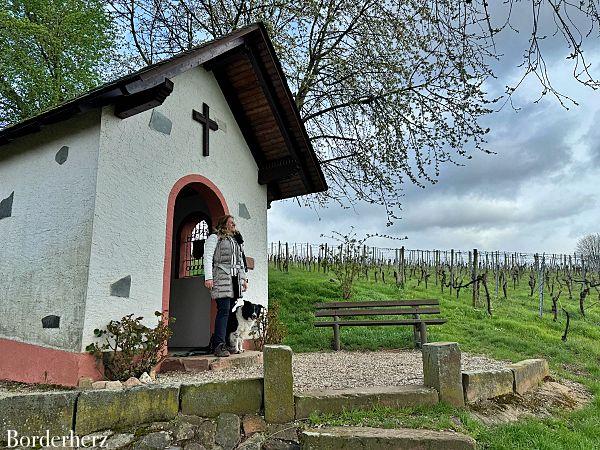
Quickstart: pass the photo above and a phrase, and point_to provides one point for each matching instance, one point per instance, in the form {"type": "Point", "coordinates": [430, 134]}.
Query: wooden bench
{"type": "Point", "coordinates": [344, 315]}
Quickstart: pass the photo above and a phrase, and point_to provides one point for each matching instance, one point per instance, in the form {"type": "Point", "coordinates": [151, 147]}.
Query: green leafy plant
{"type": "Point", "coordinates": [130, 348]}
{"type": "Point", "coordinates": [51, 51]}
{"type": "Point", "coordinates": [270, 329]}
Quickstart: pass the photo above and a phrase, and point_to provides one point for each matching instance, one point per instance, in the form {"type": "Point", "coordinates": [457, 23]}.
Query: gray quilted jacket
{"type": "Point", "coordinates": [222, 260]}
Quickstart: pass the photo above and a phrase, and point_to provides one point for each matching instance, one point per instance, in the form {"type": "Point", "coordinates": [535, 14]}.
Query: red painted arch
{"type": "Point", "coordinates": [217, 207]}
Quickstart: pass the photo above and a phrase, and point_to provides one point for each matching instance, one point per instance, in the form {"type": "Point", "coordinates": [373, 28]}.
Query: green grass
{"type": "Point", "coordinates": [514, 332]}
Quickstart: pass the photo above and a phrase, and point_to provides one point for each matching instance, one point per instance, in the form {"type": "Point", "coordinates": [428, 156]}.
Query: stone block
{"type": "Point", "coordinates": [279, 384]}
{"type": "Point", "coordinates": [51, 321]}
{"type": "Point", "coordinates": [191, 419]}
{"type": "Point", "coordinates": [254, 442]}
{"type": "Point", "coordinates": [195, 365]}
{"type": "Point", "coordinates": [103, 409]}
{"type": "Point", "coordinates": [119, 440]}
{"type": "Point", "coordinates": [283, 431]}
{"type": "Point", "coordinates": [228, 431]}
{"type": "Point", "coordinates": [145, 378]}
{"type": "Point", "coordinates": [33, 414]}
{"type": "Point", "coordinates": [121, 288]}
{"type": "Point", "coordinates": [244, 396]}
{"type": "Point", "coordinates": [243, 211]}
{"type": "Point", "coordinates": [85, 383]}
{"type": "Point", "coordinates": [160, 123]}
{"type": "Point", "coordinates": [154, 441]}
{"type": "Point", "coordinates": [62, 155]}
{"type": "Point", "coordinates": [206, 432]}
{"type": "Point", "coordinates": [442, 371]}
{"type": "Point", "coordinates": [253, 424]}
{"type": "Point", "coordinates": [485, 384]}
{"type": "Point", "coordinates": [6, 206]}
{"type": "Point", "coordinates": [237, 361]}
{"type": "Point", "coordinates": [529, 373]}
{"type": "Point", "coordinates": [131, 382]}
{"type": "Point", "coordinates": [171, 365]}
{"type": "Point", "coordinates": [366, 438]}
{"type": "Point", "coordinates": [159, 426]}
{"type": "Point", "coordinates": [278, 444]}
{"type": "Point", "coordinates": [338, 400]}
{"type": "Point", "coordinates": [117, 385]}
{"type": "Point", "coordinates": [194, 446]}
{"type": "Point", "coordinates": [183, 431]}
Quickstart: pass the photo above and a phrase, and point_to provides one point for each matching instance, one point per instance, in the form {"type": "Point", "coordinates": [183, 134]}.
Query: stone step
{"type": "Point", "coordinates": [366, 438]}
{"type": "Point", "coordinates": [201, 363]}
{"type": "Point", "coordinates": [338, 400]}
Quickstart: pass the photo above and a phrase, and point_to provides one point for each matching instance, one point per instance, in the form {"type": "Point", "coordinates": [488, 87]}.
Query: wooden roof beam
{"type": "Point", "coordinates": [283, 125]}
{"type": "Point", "coordinates": [279, 169]}
{"type": "Point", "coordinates": [238, 112]}
{"type": "Point", "coordinates": [131, 105]}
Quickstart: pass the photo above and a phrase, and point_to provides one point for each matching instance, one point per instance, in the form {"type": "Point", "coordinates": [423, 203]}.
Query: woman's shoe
{"type": "Point", "coordinates": [221, 351]}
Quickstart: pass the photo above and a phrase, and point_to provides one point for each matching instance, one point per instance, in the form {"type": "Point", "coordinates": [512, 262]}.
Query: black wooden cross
{"type": "Point", "coordinates": [205, 120]}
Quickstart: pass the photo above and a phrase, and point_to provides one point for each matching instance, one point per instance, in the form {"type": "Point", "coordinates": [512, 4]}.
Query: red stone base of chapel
{"type": "Point", "coordinates": [30, 363]}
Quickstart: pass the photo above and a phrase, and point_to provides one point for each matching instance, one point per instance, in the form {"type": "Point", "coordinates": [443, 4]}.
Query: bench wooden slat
{"type": "Point", "coordinates": [380, 322]}
{"type": "Point", "coordinates": [377, 304]}
{"type": "Point", "coordinates": [375, 312]}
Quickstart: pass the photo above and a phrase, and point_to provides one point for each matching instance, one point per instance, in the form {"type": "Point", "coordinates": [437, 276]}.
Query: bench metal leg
{"type": "Point", "coordinates": [336, 334]}
{"type": "Point", "coordinates": [416, 333]}
{"type": "Point", "coordinates": [423, 328]}
{"type": "Point", "coordinates": [336, 337]}
{"type": "Point", "coordinates": [417, 336]}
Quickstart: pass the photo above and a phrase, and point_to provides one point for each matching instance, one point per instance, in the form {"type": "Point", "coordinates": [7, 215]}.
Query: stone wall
{"type": "Point", "coordinates": [90, 411]}
{"type": "Point", "coordinates": [517, 378]}
{"type": "Point", "coordinates": [94, 410]}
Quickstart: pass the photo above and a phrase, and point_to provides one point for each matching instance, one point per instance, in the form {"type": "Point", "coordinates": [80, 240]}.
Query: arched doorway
{"type": "Point", "coordinates": [194, 205]}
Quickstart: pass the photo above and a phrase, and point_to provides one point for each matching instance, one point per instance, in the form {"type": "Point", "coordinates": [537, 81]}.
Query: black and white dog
{"type": "Point", "coordinates": [240, 325]}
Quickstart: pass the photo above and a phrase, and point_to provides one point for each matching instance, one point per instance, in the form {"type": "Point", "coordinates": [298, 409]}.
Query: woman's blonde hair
{"type": "Point", "coordinates": [221, 226]}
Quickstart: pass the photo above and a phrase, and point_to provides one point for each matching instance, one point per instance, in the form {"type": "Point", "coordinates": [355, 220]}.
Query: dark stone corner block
{"type": "Point", "coordinates": [51, 321]}
{"type": "Point", "coordinates": [121, 288]}
{"type": "Point", "coordinates": [6, 206]}
{"type": "Point", "coordinates": [62, 155]}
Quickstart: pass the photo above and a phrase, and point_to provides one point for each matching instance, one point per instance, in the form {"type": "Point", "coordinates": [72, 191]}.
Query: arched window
{"type": "Point", "coordinates": [191, 255]}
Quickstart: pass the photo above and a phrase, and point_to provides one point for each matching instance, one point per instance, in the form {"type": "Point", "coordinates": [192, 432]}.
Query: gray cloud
{"type": "Point", "coordinates": [592, 140]}
{"type": "Point", "coordinates": [473, 213]}
{"type": "Point", "coordinates": [529, 145]}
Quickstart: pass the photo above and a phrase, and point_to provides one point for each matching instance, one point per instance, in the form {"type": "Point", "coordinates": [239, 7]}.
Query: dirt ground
{"type": "Point", "coordinates": [540, 402]}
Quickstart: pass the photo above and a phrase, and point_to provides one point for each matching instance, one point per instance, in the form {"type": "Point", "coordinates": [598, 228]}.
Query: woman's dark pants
{"type": "Point", "coordinates": [224, 306]}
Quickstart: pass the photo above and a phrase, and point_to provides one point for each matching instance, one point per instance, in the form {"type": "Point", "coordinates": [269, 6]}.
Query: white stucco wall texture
{"type": "Point", "coordinates": [45, 243]}
{"type": "Point", "coordinates": [137, 168]}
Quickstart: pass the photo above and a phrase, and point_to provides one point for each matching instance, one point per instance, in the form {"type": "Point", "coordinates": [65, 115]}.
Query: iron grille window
{"type": "Point", "coordinates": [193, 250]}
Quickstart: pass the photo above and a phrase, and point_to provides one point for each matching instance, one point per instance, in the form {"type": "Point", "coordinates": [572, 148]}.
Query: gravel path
{"type": "Point", "coordinates": [339, 370]}
{"type": "Point", "coordinates": [324, 370]}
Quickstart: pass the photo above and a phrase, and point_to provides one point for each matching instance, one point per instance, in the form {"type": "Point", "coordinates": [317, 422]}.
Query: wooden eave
{"type": "Point", "coordinates": [253, 83]}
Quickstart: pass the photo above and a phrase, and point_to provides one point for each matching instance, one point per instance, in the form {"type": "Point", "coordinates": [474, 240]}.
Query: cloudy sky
{"type": "Point", "coordinates": [539, 193]}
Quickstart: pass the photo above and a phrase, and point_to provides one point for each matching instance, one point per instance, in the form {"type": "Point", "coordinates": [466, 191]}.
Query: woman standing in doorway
{"type": "Point", "coordinates": [224, 276]}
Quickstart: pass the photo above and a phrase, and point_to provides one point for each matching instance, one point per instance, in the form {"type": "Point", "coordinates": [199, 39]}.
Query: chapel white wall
{"type": "Point", "coordinates": [45, 243]}
{"type": "Point", "coordinates": [138, 167]}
